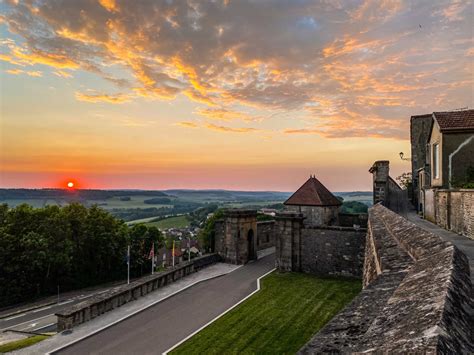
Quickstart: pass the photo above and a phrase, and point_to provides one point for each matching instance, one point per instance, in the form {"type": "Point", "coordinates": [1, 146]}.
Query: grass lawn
{"type": "Point", "coordinates": [23, 343]}
{"type": "Point", "coordinates": [172, 222]}
{"type": "Point", "coordinates": [289, 309]}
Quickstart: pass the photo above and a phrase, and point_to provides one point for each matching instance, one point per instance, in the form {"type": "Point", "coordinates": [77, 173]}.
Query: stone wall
{"type": "Point", "coordinates": [316, 216]}
{"type": "Point", "coordinates": [429, 205]}
{"type": "Point", "coordinates": [332, 251]}
{"type": "Point", "coordinates": [117, 296]}
{"type": "Point", "coordinates": [265, 235]}
{"type": "Point", "coordinates": [454, 210]}
{"type": "Point", "coordinates": [322, 251]}
{"type": "Point", "coordinates": [351, 219]}
{"type": "Point", "coordinates": [417, 296]}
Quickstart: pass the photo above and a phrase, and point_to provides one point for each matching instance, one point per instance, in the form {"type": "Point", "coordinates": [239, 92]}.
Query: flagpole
{"type": "Point", "coordinates": [189, 249]}
{"type": "Point", "coordinates": [128, 264]}
{"type": "Point", "coordinates": [172, 252]}
{"type": "Point", "coordinates": [153, 258]}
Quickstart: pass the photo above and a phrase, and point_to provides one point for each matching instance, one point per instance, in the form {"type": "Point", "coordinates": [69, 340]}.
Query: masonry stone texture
{"type": "Point", "coordinates": [417, 296]}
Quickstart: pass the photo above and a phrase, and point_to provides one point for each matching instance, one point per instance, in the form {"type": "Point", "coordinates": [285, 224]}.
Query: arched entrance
{"type": "Point", "coordinates": [251, 246]}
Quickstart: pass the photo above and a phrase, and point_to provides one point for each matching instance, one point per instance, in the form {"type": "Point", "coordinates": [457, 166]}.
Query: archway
{"type": "Point", "coordinates": [251, 255]}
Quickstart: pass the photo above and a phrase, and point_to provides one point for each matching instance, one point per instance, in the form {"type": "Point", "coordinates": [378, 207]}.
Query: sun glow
{"type": "Point", "coordinates": [70, 184]}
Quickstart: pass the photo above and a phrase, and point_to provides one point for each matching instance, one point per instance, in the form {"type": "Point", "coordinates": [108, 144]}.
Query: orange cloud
{"type": "Point", "coordinates": [63, 74]}
{"type": "Point", "coordinates": [222, 114]}
{"type": "Point", "coordinates": [110, 5]}
{"type": "Point", "coordinates": [94, 98]}
{"type": "Point", "coordinates": [26, 72]}
{"type": "Point", "coordinates": [187, 124]}
{"type": "Point", "coordinates": [231, 129]}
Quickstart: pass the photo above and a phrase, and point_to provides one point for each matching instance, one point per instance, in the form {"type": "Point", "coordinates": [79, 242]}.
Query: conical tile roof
{"type": "Point", "coordinates": [313, 193]}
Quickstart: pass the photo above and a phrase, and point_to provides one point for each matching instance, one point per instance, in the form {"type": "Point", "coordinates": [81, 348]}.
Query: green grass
{"type": "Point", "coordinates": [23, 343]}
{"type": "Point", "coordinates": [280, 319]}
{"type": "Point", "coordinates": [172, 222]}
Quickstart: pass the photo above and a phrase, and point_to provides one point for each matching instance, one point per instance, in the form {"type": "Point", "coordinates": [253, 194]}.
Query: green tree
{"type": "Point", "coordinates": [207, 233]}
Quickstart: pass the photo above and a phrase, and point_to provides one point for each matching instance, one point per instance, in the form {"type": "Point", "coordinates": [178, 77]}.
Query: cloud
{"type": "Point", "coordinates": [111, 99]}
{"type": "Point", "coordinates": [223, 114]}
{"type": "Point", "coordinates": [381, 59]}
{"type": "Point", "coordinates": [63, 74]}
{"type": "Point", "coordinates": [231, 129]}
{"type": "Point", "coordinates": [26, 72]}
{"type": "Point", "coordinates": [187, 124]}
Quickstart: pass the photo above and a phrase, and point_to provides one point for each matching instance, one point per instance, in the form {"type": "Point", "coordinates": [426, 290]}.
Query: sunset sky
{"type": "Point", "coordinates": [249, 95]}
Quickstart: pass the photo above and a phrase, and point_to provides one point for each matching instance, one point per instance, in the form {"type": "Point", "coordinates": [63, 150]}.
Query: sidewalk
{"type": "Point", "coordinates": [127, 310]}
{"type": "Point", "coordinates": [464, 244]}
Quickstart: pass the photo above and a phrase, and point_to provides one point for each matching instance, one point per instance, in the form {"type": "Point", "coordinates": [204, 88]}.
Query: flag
{"type": "Point", "coordinates": [152, 252]}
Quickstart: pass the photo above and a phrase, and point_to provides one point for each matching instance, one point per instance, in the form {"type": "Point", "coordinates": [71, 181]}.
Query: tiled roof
{"type": "Point", "coordinates": [313, 193]}
{"type": "Point", "coordinates": [455, 120]}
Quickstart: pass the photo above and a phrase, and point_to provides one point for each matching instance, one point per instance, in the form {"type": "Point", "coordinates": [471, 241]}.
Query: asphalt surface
{"type": "Point", "coordinates": [43, 319]}
{"type": "Point", "coordinates": [159, 327]}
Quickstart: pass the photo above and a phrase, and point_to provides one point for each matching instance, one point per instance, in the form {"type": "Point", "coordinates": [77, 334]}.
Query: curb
{"type": "Point", "coordinates": [27, 310]}
{"type": "Point", "coordinates": [220, 315]}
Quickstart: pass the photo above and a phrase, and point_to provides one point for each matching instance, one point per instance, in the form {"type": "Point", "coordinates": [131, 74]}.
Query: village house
{"type": "Point", "coordinates": [443, 168]}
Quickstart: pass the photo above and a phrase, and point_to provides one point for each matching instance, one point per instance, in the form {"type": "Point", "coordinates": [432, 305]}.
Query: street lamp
{"type": "Point", "coordinates": [402, 158]}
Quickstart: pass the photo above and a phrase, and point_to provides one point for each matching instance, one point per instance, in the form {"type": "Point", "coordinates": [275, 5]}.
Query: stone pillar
{"type": "Point", "coordinates": [235, 244]}
{"type": "Point", "coordinates": [288, 227]}
{"type": "Point", "coordinates": [380, 173]}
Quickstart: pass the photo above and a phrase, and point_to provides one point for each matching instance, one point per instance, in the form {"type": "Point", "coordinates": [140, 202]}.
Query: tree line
{"type": "Point", "coordinates": [71, 247]}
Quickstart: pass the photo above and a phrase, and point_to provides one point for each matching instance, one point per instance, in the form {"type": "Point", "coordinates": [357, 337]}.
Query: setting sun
{"type": "Point", "coordinates": [70, 184]}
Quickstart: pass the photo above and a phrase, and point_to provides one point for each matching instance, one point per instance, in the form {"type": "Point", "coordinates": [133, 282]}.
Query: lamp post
{"type": "Point", "coordinates": [402, 158]}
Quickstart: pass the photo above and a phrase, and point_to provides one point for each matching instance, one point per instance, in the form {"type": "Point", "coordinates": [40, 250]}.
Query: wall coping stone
{"type": "Point", "coordinates": [338, 228]}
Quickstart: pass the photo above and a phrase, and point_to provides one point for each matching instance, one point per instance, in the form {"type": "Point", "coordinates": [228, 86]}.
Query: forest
{"type": "Point", "coordinates": [71, 247]}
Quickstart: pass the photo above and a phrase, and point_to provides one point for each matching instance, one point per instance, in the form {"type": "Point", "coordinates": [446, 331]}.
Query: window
{"type": "Point", "coordinates": [436, 161]}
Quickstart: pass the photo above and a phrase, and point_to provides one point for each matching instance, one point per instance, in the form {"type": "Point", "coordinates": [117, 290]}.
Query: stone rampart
{"type": "Point", "coordinates": [417, 295]}
{"type": "Point", "coordinates": [333, 251]}
{"type": "Point", "coordinates": [117, 296]}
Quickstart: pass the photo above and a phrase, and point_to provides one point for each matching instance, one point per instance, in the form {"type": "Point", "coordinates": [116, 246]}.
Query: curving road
{"type": "Point", "coordinates": [159, 327]}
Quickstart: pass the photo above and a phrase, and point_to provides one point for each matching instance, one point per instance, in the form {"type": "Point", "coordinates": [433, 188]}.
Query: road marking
{"type": "Point", "coordinates": [41, 309]}
{"type": "Point", "coordinates": [17, 316]}
{"type": "Point", "coordinates": [28, 321]}
{"type": "Point", "coordinates": [220, 315]}
{"type": "Point", "coordinates": [136, 312]}
{"type": "Point", "coordinates": [65, 302]}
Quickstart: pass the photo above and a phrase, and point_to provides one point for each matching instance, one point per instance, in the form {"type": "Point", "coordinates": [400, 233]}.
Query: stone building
{"type": "Point", "coordinates": [316, 203]}
{"type": "Point", "coordinates": [450, 150]}
{"type": "Point", "coordinates": [442, 149]}
{"type": "Point", "coordinates": [420, 128]}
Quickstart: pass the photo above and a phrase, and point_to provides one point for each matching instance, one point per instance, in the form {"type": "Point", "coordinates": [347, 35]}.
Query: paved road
{"type": "Point", "coordinates": [159, 327]}
{"type": "Point", "coordinates": [43, 319]}
{"type": "Point", "coordinates": [464, 244]}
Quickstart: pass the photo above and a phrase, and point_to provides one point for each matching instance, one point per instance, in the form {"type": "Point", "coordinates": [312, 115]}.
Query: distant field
{"type": "Point", "coordinates": [135, 202]}
{"type": "Point", "coordinates": [280, 319]}
{"type": "Point", "coordinates": [172, 222]}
